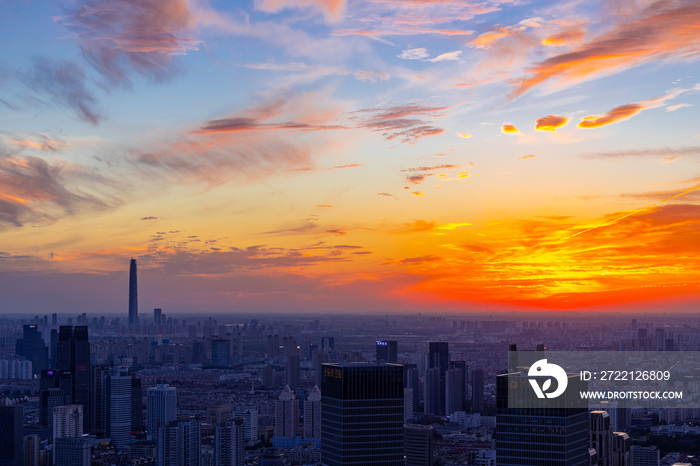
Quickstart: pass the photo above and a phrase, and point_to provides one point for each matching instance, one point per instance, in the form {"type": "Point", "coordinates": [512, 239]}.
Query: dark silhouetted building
{"type": "Point", "coordinates": [362, 414]}
{"type": "Point", "coordinates": [478, 390]}
{"type": "Point", "coordinates": [293, 370]}
{"type": "Point", "coordinates": [11, 436]}
{"type": "Point", "coordinates": [32, 347]}
{"type": "Point", "coordinates": [133, 294]}
{"type": "Point", "coordinates": [220, 351]}
{"type": "Point", "coordinates": [418, 445]}
{"type": "Point", "coordinates": [439, 357]}
{"type": "Point", "coordinates": [161, 406]}
{"type": "Point", "coordinates": [230, 443]}
{"type": "Point", "coordinates": [534, 435]}
{"type": "Point", "coordinates": [600, 436]}
{"type": "Point", "coordinates": [387, 351]}
{"type": "Point", "coordinates": [73, 354]}
{"type": "Point", "coordinates": [118, 405]}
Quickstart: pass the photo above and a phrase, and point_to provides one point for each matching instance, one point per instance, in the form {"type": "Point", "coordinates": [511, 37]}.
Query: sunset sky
{"type": "Point", "coordinates": [365, 155]}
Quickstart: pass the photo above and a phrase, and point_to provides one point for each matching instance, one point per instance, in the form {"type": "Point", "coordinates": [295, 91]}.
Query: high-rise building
{"type": "Point", "coordinates": [32, 450]}
{"type": "Point", "coordinates": [157, 314]}
{"type": "Point", "coordinates": [32, 347]}
{"type": "Point", "coordinates": [161, 406]}
{"type": "Point", "coordinates": [286, 416]}
{"type": "Point", "coordinates": [11, 436]}
{"type": "Point", "coordinates": [362, 414]}
{"type": "Point", "coordinates": [418, 445]}
{"type": "Point", "coordinates": [292, 371]}
{"type": "Point", "coordinates": [408, 412]}
{"type": "Point", "coordinates": [98, 373]}
{"type": "Point", "coordinates": [179, 443]}
{"type": "Point", "coordinates": [532, 436]}
{"type": "Point", "coordinates": [387, 351]}
{"type": "Point", "coordinates": [55, 390]}
{"type": "Point", "coordinates": [73, 354]}
{"type": "Point", "coordinates": [600, 436]}
{"type": "Point", "coordinates": [439, 357]}
{"type": "Point", "coordinates": [432, 391]}
{"type": "Point", "coordinates": [645, 456]}
{"type": "Point", "coordinates": [621, 449]}
{"type": "Point", "coordinates": [136, 405]}
{"type": "Point", "coordinates": [118, 407]}
{"type": "Point", "coordinates": [312, 415]}
{"type": "Point", "coordinates": [478, 390]}
{"type": "Point", "coordinates": [320, 357]}
{"type": "Point", "coordinates": [229, 443]}
{"type": "Point", "coordinates": [72, 451]}
{"type": "Point", "coordinates": [220, 351]}
{"type": "Point", "coordinates": [250, 423]}
{"type": "Point", "coordinates": [133, 294]}
{"type": "Point", "coordinates": [67, 421]}
{"type": "Point", "coordinates": [454, 390]}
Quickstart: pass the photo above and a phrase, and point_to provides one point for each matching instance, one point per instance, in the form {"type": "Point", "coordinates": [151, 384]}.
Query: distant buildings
{"type": "Point", "coordinates": [312, 415]}
{"type": "Point", "coordinates": [418, 445]}
{"type": "Point", "coordinates": [286, 417]}
{"type": "Point", "coordinates": [118, 402]}
{"type": "Point", "coordinates": [387, 351]}
{"type": "Point", "coordinates": [230, 443]}
{"type": "Point", "coordinates": [362, 413]}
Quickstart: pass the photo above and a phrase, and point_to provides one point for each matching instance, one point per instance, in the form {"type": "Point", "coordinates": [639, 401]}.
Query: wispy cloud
{"type": "Point", "coordinates": [665, 32]}
{"type": "Point", "coordinates": [405, 122]}
{"type": "Point", "coordinates": [118, 37]}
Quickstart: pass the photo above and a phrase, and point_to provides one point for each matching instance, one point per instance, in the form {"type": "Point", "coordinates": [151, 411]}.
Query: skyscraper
{"type": "Point", "coordinates": [312, 415]}
{"type": "Point", "coordinates": [118, 401]}
{"type": "Point", "coordinates": [387, 351]}
{"type": "Point", "coordinates": [229, 443]}
{"type": "Point", "coordinates": [32, 347]}
{"type": "Point", "coordinates": [67, 421]}
{"type": "Point", "coordinates": [362, 414]}
{"type": "Point", "coordinates": [418, 445]}
{"type": "Point", "coordinates": [11, 436]}
{"type": "Point", "coordinates": [72, 451]}
{"type": "Point", "coordinates": [161, 404]}
{"type": "Point", "coordinates": [292, 371]}
{"type": "Point", "coordinates": [478, 390]}
{"type": "Point", "coordinates": [600, 436]}
{"type": "Point", "coordinates": [439, 357]}
{"type": "Point", "coordinates": [133, 295]}
{"type": "Point", "coordinates": [533, 435]}
{"type": "Point", "coordinates": [286, 417]}
{"type": "Point", "coordinates": [454, 390]}
{"type": "Point", "coordinates": [73, 354]}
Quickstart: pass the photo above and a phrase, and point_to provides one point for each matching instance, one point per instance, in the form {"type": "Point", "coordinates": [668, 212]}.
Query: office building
{"type": "Point", "coordinates": [67, 421]}
{"type": "Point", "coordinates": [220, 352]}
{"type": "Point", "coordinates": [179, 443]}
{"type": "Point", "coordinates": [292, 371]}
{"type": "Point", "coordinates": [362, 414]}
{"type": "Point", "coordinates": [556, 434]}
{"type": "Point", "coordinates": [72, 451]}
{"type": "Point", "coordinates": [157, 314]}
{"type": "Point", "coordinates": [432, 391]}
{"type": "Point", "coordinates": [98, 374]}
{"type": "Point", "coordinates": [408, 412]}
{"type": "Point", "coordinates": [478, 390]}
{"type": "Point", "coordinates": [387, 351]}
{"type": "Point", "coordinates": [600, 436]}
{"type": "Point", "coordinates": [32, 450]}
{"type": "Point", "coordinates": [454, 390]}
{"type": "Point", "coordinates": [312, 415]}
{"type": "Point", "coordinates": [645, 456]}
{"type": "Point", "coordinates": [11, 436]}
{"type": "Point", "coordinates": [32, 347]}
{"type": "Point", "coordinates": [73, 354]}
{"type": "Point", "coordinates": [418, 445]}
{"type": "Point", "coordinates": [621, 449]}
{"type": "Point", "coordinates": [439, 357]}
{"type": "Point", "coordinates": [161, 407]}
{"type": "Point", "coordinates": [133, 294]}
{"type": "Point", "coordinates": [118, 411]}
{"type": "Point", "coordinates": [229, 443]}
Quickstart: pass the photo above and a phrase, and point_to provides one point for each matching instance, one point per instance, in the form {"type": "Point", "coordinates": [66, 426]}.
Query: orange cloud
{"type": "Point", "coordinates": [332, 9]}
{"type": "Point", "coordinates": [551, 123]}
{"type": "Point", "coordinates": [464, 135]}
{"type": "Point", "coordinates": [568, 37]}
{"type": "Point", "coordinates": [664, 34]}
{"type": "Point", "coordinates": [508, 128]}
{"type": "Point", "coordinates": [418, 193]}
{"type": "Point", "coordinates": [526, 157]}
{"type": "Point", "coordinates": [621, 113]}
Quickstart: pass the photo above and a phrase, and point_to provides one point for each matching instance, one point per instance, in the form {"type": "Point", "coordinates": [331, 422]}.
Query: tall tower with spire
{"type": "Point", "coordinates": [133, 295]}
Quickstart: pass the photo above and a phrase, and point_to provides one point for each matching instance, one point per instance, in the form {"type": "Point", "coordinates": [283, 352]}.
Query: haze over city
{"type": "Point", "coordinates": [316, 156]}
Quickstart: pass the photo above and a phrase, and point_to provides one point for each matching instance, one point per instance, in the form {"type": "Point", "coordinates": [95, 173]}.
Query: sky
{"type": "Point", "coordinates": [350, 156]}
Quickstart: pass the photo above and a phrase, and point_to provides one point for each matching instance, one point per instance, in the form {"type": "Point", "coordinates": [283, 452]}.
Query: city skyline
{"type": "Point", "coordinates": [288, 156]}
